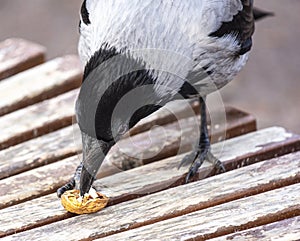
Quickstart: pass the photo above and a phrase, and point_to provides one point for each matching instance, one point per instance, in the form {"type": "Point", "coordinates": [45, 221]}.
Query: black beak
{"type": "Point", "coordinates": [91, 164]}
{"type": "Point", "coordinates": [86, 181]}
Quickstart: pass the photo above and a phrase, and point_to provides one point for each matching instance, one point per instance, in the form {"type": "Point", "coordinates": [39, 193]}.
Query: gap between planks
{"type": "Point", "coordinates": [219, 220]}
{"type": "Point", "coordinates": [195, 205]}
{"type": "Point", "coordinates": [38, 152]}
{"type": "Point", "coordinates": [178, 137]}
{"type": "Point", "coordinates": [164, 174]}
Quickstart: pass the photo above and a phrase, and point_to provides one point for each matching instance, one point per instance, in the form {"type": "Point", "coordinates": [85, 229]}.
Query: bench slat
{"type": "Point", "coordinates": [234, 153]}
{"type": "Point", "coordinates": [152, 178]}
{"type": "Point", "coordinates": [177, 137]}
{"type": "Point", "coordinates": [17, 55]}
{"type": "Point", "coordinates": [37, 120]}
{"type": "Point", "coordinates": [212, 222]}
{"type": "Point", "coordinates": [202, 203]}
{"type": "Point", "coordinates": [37, 182]}
{"type": "Point", "coordinates": [177, 110]}
{"type": "Point", "coordinates": [39, 83]}
{"type": "Point", "coordinates": [44, 150]}
{"type": "Point", "coordinates": [59, 145]}
{"type": "Point", "coordinates": [288, 229]}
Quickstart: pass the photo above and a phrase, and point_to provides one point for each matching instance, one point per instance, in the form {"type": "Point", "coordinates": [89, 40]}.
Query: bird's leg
{"type": "Point", "coordinates": [74, 182]}
{"type": "Point", "coordinates": [202, 151]}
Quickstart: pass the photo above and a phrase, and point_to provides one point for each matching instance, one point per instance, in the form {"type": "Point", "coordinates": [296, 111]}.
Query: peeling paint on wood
{"type": "Point", "coordinates": [128, 185]}
{"type": "Point", "coordinates": [17, 55]}
{"type": "Point", "coordinates": [39, 83]}
{"type": "Point", "coordinates": [37, 120]}
{"type": "Point", "coordinates": [40, 151]}
{"type": "Point", "coordinates": [284, 230]}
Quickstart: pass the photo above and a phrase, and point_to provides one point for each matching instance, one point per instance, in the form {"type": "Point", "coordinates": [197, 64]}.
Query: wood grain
{"type": "Point", "coordinates": [288, 229]}
{"type": "Point", "coordinates": [37, 119]}
{"type": "Point", "coordinates": [39, 83]}
{"type": "Point", "coordinates": [234, 153]}
{"type": "Point", "coordinates": [154, 177]}
{"type": "Point", "coordinates": [192, 208]}
{"type": "Point", "coordinates": [37, 182]}
{"type": "Point", "coordinates": [17, 55]}
{"type": "Point", "coordinates": [182, 109]}
{"type": "Point", "coordinates": [211, 222]}
{"type": "Point", "coordinates": [40, 151]}
{"type": "Point", "coordinates": [58, 145]}
{"type": "Point", "coordinates": [177, 137]}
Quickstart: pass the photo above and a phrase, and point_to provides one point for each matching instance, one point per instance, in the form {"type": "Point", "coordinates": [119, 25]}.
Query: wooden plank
{"type": "Point", "coordinates": [288, 229]}
{"type": "Point", "coordinates": [41, 151]}
{"type": "Point", "coordinates": [234, 153]}
{"type": "Point", "coordinates": [59, 145]}
{"type": "Point", "coordinates": [17, 55]}
{"type": "Point", "coordinates": [204, 201]}
{"type": "Point", "coordinates": [176, 137]}
{"type": "Point", "coordinates": [212, 222]}
{"type": "Point", "coordinates": [39, 83]}
{"type": "Point", "coordinates": [37, 182]}
{"type": "Point", "coordinates": [177, 110]}
{"type": "Point", "coordinates": [37, 120]}
{"type": "Point", "coordinates": [151, 178]}
{"type": "Point", "coordinates": [169, 113]}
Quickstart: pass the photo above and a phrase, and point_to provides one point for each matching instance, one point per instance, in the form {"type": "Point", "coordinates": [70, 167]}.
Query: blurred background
{"type": "Point", "coordinates": [268, 87]}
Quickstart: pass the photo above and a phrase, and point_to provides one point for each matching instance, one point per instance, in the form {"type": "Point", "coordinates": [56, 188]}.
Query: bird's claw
{"type": "Point", "coordinates": [196, 158]}
{"type": "Point", "coordinates": [68, 186]}
{"type": "Point", "coordinates": [189, 158]}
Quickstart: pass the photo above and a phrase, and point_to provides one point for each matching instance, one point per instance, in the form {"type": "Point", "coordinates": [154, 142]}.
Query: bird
{"type": "Point", "coordinates": [141, 54]}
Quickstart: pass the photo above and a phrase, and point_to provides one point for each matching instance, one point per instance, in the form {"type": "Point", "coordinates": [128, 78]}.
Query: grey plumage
{"type": "Point", "coordinates": [165, 49]}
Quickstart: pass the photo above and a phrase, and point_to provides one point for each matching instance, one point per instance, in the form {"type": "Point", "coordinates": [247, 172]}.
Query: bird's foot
{"type": "Point", "coordinates": [72, 184]}
{"type": "Point", "coordinates": [196, 158]}
{"type": "Point", "coordinates": [68, 186]}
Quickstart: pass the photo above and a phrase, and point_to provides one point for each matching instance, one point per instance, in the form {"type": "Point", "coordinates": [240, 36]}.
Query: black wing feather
{"type": "Point", "coordinates": [242, 25]}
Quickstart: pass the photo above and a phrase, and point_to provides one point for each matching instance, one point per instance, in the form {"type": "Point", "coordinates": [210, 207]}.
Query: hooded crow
{"type": "Point", "coordinates": [141, 54]}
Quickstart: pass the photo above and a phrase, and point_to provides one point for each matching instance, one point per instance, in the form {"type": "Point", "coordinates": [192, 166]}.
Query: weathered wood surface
{"type": "Point", "coordinates": [154, 177]}
{"type": "Point", "coordinates": [171, 112]}
{"type": "Point", "coordinates": [205, 204]}
{"type": "Point", "coordinates": [177, 137]}
{"type": "Point", "coordinates": [17, 55]}
{"type": "Point", "coordinates": [39, 83]}
{"type": "Point", "coordinates": [37, 119]}
{"type": "Point", "coordinates": [236, 152]}
{"type": "Point", "coordinates": [285, 230]}
{"type": "Point", "coordinates": [40, 151]}
{"type": "Point", "coordinates": [211, 222]}
{"type": "Point", "coordinates": [37, 182]}
{"type": "Point", "coordinates": [177, 110]}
